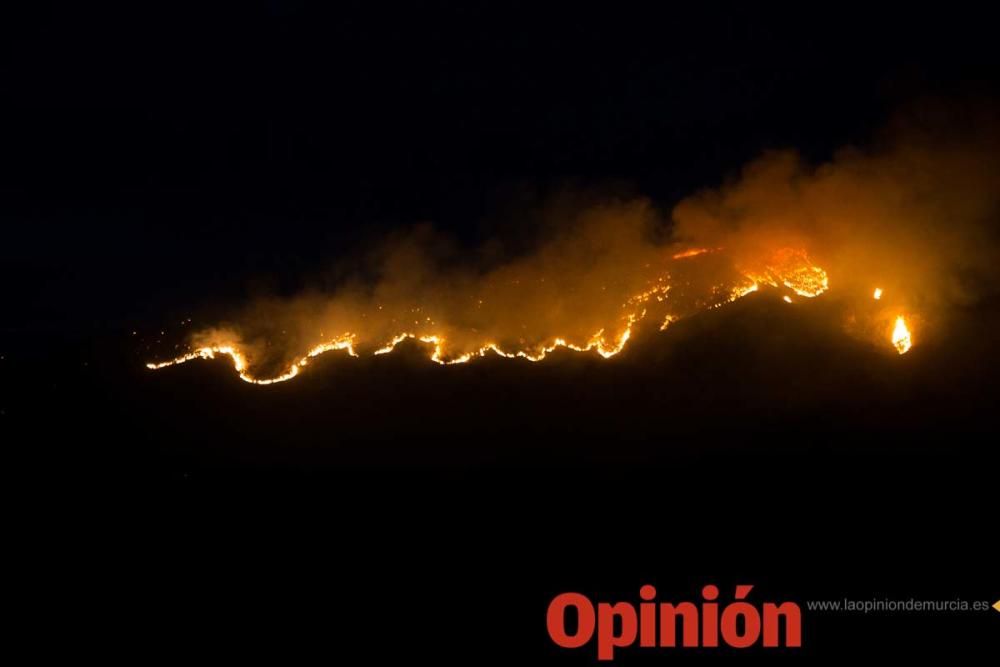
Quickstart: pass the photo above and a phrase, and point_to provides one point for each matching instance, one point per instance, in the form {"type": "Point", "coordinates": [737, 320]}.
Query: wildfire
{"type": "Point", "coordinates": [693, 252]}
{"type": "Point", "coordinates": [901, 336]}
{"type": "Point", "coordinates": [878, 293]}
{"type": "Point", "coordinates": [740, 291]}
{"type": "Point", "coordinates": [788, 268]}
{"type": "Point", "coordinates": [597, 342]}
{"type": "Point", "coordinates": [240, 359]}
{"type": "Point", "coordinates": [791, 268]}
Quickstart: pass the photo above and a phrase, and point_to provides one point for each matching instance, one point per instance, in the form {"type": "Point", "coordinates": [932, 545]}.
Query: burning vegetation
{"type": "Point", "coordinates": [449, 343]}
{"type": "Point", "coordinates": [905, 226]}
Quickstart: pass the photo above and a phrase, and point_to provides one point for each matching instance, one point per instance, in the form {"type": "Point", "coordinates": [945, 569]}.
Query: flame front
{"type": "Point", "coordinates": [901, 336]}
{"type": "Point", "coordinates": [787, 268]}
{"type": "Point", "coordinates": [241, 364]}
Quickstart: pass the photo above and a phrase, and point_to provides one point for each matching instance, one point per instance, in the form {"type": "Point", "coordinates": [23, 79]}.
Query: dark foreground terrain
{"type": "Point", "coordinates": [399, 509]}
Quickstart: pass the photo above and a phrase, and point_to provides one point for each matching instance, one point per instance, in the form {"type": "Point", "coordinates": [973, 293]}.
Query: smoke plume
{"type": "Point", "coordinates": [914, 214]}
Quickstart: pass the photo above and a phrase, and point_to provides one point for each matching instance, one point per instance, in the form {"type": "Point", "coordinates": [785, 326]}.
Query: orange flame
{"type": "Point", "coordinates": [693, 252]}
{"type": "Point", "coordinates": [789, 268]}
{"type": "Point", "coordinates": [901, 336]}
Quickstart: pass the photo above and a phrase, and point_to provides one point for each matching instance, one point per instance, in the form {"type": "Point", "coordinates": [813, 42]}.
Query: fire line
{"type": "Point", "coordinates": [788, 268]}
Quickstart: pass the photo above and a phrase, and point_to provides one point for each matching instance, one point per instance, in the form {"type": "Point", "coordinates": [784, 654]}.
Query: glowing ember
{"type": "Point", "coordinates": [740, 292]}
{"type": "Point", "coordinates": [693, 252]}
{"type": "Point", "coordinates": [901, 336]}
{"type": "Point", "coordinates": [787, 299]}
{"type": "Point", "coordinates": [789, 268]}
{"type": "Point", "coordinates": [878, 293]}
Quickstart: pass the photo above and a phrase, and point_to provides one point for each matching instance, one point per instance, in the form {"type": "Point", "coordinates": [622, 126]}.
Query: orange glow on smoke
{"type": "Point", "coordinates": [788, 268]}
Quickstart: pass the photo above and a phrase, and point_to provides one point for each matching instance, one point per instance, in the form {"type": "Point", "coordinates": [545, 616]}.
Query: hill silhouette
{"type": "Point", "coordinates": [756, 376]}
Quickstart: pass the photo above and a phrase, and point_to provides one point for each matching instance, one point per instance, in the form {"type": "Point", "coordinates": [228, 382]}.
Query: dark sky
{"type": "Point", "coordinates": [159, 156]}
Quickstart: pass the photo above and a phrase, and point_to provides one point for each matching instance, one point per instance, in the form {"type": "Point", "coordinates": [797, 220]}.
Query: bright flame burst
{"type": "Point", "coordinates": [241, 364]}
{"type": "Point", "coordinates": [901, 336]}
{"type": "Point", "coordinates": [789, 268]}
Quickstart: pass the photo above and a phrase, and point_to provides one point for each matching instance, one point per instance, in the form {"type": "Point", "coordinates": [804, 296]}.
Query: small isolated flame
{"type": "Point", "coordinates": [878, 293]}
{"type": "Point", "coordinates": [901, 336]}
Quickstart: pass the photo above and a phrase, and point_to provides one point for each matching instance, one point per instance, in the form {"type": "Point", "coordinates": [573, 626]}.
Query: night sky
{"type": "Point", "coordinates": [156, 158]}
{"type": "Point", "coordinates": [165, 161]}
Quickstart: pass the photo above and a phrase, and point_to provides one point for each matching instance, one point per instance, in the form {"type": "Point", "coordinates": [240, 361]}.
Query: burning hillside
{"type": "Point", "coordinates": [901, 231]}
